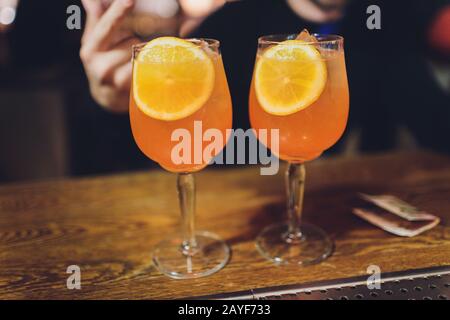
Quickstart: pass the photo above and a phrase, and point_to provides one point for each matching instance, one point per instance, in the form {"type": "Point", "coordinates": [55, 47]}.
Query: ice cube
{"type": "Point", "coordinates": [306, 36]}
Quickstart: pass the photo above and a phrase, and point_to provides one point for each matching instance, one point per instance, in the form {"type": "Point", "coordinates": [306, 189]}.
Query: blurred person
{"type": "Point", "coordinates": [391, 84]}
{"type": "Point", "coordinates": [101, 140]}
{"type": "Point", "coordinates": [109, 35]}
{"type": "Point", "coordinates": [106, 52]}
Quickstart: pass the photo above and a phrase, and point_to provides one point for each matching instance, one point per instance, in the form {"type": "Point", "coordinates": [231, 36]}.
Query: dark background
{"type": "Point", "coordinates": [50, 127]}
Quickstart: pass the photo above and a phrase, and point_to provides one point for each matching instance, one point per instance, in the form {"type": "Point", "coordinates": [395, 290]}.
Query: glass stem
{"type": "Point", "coordinates": [186, 196]}
{"type": "Point", "coordinates": [295, 185]}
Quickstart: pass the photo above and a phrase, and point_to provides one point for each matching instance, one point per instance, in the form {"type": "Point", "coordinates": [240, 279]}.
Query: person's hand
{"type": "Point", "coordinates": [106, 53]}
{"type": "Point", "coordinates": [318, 11]}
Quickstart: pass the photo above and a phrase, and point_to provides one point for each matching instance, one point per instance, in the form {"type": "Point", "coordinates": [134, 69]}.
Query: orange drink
{"type": "Point", "coordinates": [305, 134]}
{"type": "Point", "coordinates": [299, 87]}
{"type": "Point", "coordinates": [179, 87]}
{"type": "Point", "coordinates": [211, 102]}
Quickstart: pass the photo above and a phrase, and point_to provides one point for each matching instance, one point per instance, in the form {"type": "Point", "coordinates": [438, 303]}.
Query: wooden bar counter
{"type": "Point", "coordinates": [108, 225]}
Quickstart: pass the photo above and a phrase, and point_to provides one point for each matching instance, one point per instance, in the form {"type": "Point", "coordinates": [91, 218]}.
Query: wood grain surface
{"type": "Point", "coordinates": [108, 225]}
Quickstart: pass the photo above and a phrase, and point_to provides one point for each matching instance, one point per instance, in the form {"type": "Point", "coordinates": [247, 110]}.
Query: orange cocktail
{"type": "Point", "coordinates": [179, 90]}
{"type": "Point", "coordinates": [305, 134]}
{"type": "Point", "coordinates": [299, 87]}
{"type": "Point", "coordinates": [153, 131]}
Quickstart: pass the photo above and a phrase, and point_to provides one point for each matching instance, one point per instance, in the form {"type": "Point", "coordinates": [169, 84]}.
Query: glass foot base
{"type": "Point", "coordinates": [313, 247]}
{"type": "Point", "coordinates": [211, 255]}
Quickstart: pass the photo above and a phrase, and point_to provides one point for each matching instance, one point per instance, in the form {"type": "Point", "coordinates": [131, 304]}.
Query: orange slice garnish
{"type": "Point", "coordinates": [172, 78]}
{"type": "Point", "coordinates": [289, 77]}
